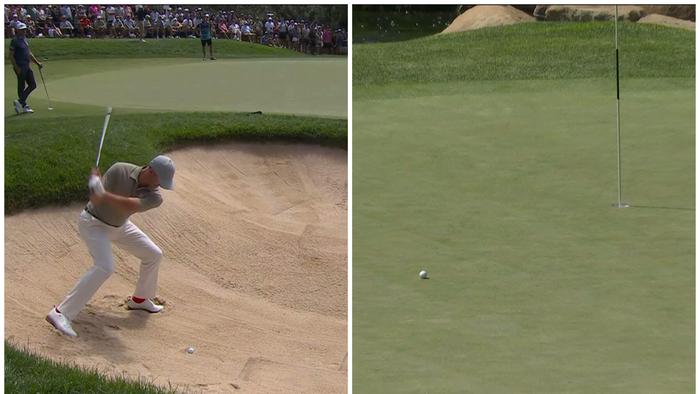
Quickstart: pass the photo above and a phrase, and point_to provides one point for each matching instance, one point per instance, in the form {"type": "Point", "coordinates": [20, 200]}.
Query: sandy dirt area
{"type": "Point", "coordinates": [487, 16]}
{"type": "Point", "coordinates": [254, 277]}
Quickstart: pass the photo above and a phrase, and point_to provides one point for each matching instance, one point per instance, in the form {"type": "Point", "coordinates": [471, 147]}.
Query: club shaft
{"type": "Point", "coordinates": [43, 82]}
{"type": "Point", "coordinates": [102, 139]}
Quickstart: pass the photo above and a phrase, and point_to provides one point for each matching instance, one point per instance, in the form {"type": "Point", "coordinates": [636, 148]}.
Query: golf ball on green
{"type": "Point", "coordinates": [423, 274]}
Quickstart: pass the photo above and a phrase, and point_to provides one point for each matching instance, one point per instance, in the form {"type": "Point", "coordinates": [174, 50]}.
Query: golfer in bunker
{"type": "Point", "coordinates": [124, 189]}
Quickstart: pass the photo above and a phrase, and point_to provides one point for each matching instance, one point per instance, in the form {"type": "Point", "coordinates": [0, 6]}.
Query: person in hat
{"type": "Point", "coordinates": [204, 28]}
{"type": "Point", "coordinates": [125, 189]}
{"type": "Point", "coordinates": [21, 57]}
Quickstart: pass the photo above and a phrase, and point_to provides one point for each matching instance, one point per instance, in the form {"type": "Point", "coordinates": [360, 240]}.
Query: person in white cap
{"type": "Point", "coordinates": [21, 58]}
{"type": "Point", "coordinates": [124, 189]}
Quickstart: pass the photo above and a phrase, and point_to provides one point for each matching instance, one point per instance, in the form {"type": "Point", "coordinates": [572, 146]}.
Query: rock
{"type": "Point", "coordinates": [667, 21]}
{"type": "Point", "coordinates": [486, 16]}
{"type": "Point", "coordinates": [589, 13]}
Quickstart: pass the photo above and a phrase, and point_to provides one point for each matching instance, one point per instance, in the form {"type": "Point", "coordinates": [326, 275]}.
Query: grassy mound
{"type": "Point", "coordinates": [25, 372]}
{"type": "Point", "coordinates": [539, 51]}
{"type": "Point", "coordinates": [78, 48]}
{"type": "Point", "coordinates": [47, 159]}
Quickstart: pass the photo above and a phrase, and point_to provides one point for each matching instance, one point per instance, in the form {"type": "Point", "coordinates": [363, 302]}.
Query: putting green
{"type": "Point", "coordinates": [293, 86]}
{"type": "Point", "coordinates": [503, 192]}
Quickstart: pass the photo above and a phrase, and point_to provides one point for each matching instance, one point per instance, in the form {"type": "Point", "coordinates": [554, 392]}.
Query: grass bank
{"type": "Point", "coordinates": [26, 372]}
{"type": "Point", "coordinates": [83, 48]}
{"type": "Point", "coordinates": [534, 51]}
{"type": "Point", "coordinates": [47, 159]}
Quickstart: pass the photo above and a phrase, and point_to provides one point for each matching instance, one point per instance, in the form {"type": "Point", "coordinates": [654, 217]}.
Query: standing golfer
{"type": "Point", "coordinates": [21, 57]}
{"type": "Point", "coordinates": [205, 36]}
{"type": "Point", "coordinates": [124, 190]}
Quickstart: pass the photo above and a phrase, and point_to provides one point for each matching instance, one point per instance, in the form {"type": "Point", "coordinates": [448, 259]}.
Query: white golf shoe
{"type": "Point", "coordinates": [61, 323]}
{"type": "Point", "coordinates": [146, 305]}
{"type": "Point", "coordinates": [28, 109]}
{"type": "Point", "coordinates": [18, 106]}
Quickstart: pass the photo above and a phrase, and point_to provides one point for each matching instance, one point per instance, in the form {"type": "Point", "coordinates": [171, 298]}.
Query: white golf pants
{"type": "Point", "coordinates": [99, 237]}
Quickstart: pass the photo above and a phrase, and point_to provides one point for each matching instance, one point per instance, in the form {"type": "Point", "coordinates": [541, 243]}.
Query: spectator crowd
{"type": "Point", "coordinates": [177, 21]}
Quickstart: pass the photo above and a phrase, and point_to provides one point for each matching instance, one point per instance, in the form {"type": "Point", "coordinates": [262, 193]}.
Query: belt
{"type": "Point", "coordinates": [95, 216]}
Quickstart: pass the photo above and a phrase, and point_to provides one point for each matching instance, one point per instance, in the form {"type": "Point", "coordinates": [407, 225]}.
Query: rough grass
{"type": "Point", "coordinates": [47, 159]}
{"type": "Point", "coordinates": [540, 51]}
{"type": "Point", "coordinates": [80, 48]}
{"type": "Point", "coordinates": [26, 372]}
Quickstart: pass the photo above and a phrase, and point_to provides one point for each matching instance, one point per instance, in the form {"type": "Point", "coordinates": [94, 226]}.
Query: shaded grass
{"type": "Point", "coordinates": [540, 51]}
{"type": "Point", "coordinates": [47, 159]}
{"type": "Point", "coordinates": [81, 48]}
{"type": "Point", "coordinates": [397, 25]}
{"type": "Point", "coordinates": [25, 372]}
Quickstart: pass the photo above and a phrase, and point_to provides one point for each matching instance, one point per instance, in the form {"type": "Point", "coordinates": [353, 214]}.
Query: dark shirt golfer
{"type": "Point", "coordinates": [21, 57]}
{"type": "Point", "coordinates": [205, 36]}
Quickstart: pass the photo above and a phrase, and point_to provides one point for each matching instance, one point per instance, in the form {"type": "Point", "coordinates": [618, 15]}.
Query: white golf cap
{"type": "Point", "coordinates": [20, 26]}
{"type": "Point", "coordinates": [165, 168]}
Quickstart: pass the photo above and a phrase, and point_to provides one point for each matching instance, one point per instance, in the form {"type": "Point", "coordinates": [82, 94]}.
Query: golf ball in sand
{"type": "Point", "coordinates": [190, 350]}
{"type": "Point", "coordinates": [423, 274]}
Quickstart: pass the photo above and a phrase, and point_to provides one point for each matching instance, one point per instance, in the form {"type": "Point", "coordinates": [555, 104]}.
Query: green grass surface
{"type": "Point", "coordinates": [499, 181]}
{"type": "Point", "coordinates": [529, 51]}
{"type": "Point", "coordinates": [158, 104]}
{"type": "Point", "coordinates": [26, 372]}
{"type": "Point", "coordinates": [309, 85]}
{"type": "Point", "coordinates": [77, 48]}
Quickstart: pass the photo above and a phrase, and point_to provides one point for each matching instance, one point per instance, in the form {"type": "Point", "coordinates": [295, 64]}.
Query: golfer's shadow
{"type": "Point", "coordinates": [102, 331]}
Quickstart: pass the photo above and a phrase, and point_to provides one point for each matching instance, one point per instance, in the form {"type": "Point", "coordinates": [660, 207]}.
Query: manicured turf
{"type": "Point", "coordinates": [502, 190]}
{"type": "Point", "coordinates": [293, 86]}
{"type": "Point", "coordinates": [27, 373]}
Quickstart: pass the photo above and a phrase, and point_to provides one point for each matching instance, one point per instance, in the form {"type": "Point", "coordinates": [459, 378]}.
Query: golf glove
{"type": "Point", "coordinates": [95, 185]}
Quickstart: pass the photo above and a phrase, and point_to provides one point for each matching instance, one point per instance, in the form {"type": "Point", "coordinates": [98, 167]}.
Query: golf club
{"type": "Point", "coordinates": [46, 90]}
{"type": "Point", "coordinates": [104, 131]}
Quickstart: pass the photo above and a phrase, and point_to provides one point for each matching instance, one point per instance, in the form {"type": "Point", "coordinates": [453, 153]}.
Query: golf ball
{"type": "Point", "coordinates": [190, 350]}
{"type": "Point", "coordinates": [423, 274]}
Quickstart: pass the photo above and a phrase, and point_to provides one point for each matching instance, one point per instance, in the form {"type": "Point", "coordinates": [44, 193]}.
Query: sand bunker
{"type": "Point", "coordinates": [486, 16]}
{"type": "Point", "coordinates": [667, 21]}
{"type": "Point", "coordinates": [254, 277]}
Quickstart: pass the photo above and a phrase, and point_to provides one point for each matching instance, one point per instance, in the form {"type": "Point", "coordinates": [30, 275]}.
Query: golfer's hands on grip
{"type": "Point", "coordinates": [95, 187]}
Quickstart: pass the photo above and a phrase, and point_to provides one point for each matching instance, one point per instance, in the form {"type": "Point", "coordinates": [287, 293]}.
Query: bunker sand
{"type": "Point", "coordinates": [254, 277]}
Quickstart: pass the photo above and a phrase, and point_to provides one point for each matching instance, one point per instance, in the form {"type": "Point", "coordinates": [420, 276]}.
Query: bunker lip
{"type": "Point", "coordinates": [254, 276]}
